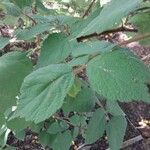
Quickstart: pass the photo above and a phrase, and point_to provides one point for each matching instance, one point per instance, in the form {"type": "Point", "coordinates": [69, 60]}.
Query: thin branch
{"type": "Point", "coordinates": [30, 18]}
{"type": "Point", "coordinates": [101, 106]}
{"type": "Point", "coordinates": [88, 9]}
{"type": "Point", "coordinates": [124, 145]}
{"type": "Point", "coordinates": [130, 142]}
{"type": "Point", "coordinates": [134, 39]}
{"type": "Point", "coordinates": [119, 29]}
{"type": "Point", "coordinates": [146, 57]}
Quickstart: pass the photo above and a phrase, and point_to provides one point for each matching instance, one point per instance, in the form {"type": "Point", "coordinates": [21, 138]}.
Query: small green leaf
{"type": "Point", "coordinates": [57, 127]}
{"type": "Point", "coordinates": [78, 120]}
{"type": "Point", "coordinates": [96, 127]}
{"type": "Point", "coordinates": [62, 141]}
{"type": "Point", "coordinates": [83, 102]}
{"type": "Point", "coordinates": [43, 92]}
{"type": "Point", "coordinates": [46, 139]}
{"type": "Point", "coordinates": [113, 108]}
{"type": "Point", "coordinates": [115, 129]}
{"type": "Point", "coordinates": [55, 49]}
{"type": "Point", "coordinates": [20, 134]}
{"type": "Point", "coordinates": [75, 89]}
{"type": "Point", "coordinates": [119, 75]}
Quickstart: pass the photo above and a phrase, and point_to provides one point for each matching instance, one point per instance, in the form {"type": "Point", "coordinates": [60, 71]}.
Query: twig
{"type": "Point", "coordinates": [134, 39]}
{"type": "Point", "coordinates": [119, 29]}
{"type": "Point", "coordinates": [34, 22]}
{"type": "Point", "coordinates": [88, 9]}
{"type": "Point", "coordinates": [124, 145]}
{"type": "Point", "coordinates": [130, 142]}
{"type": "Point", "coordinates": [146, 57]}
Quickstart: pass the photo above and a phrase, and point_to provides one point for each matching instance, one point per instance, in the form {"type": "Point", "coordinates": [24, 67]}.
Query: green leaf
{"type": "Point", "coordinates": [46, 139]}
{"type": "Point", "coordinates": [20, 134]}
{"type": "Point", "coordinates": [115, 129]}
{"type": "Point", "coordinates": [37, 127]}
{"type": "Point", "coordinates": [96, 127]}
{"type": "Point", "coordinates": [119, 75]}
{"type": "Point", "coordinates": [75, 89]}
{"type": "Point", "coordinates": [17, 124]}
{"type": "Point", "coordinates": [82, 60]}
{"type": "Point", "coordinates": [27, 34]}
{"type": "Point", "coordinates": [3, 42]}
{"type": "Point", "coordinates": [43, 92]}
{"type": "Point", "coordinates": [14, 67]}
{"type": "Point", "coordinates": [91, 48]}
{"type": "Point", "coordinates": [141, 21]}
{"type": "Point", "coordinates": [62, 141]}
{"type": "Point", "coordinates": [114, 109]}
{"type": "Point", "coordinates": [78, 26]}
{"type": "Point", "coordinates": [22, 3]}
{"type": "Point", "coordinates": [12, 9]}
{"type": "Point", "coordinates": [83, 102]}
{"type": "Point", "coordinates": [78, 120]}
{"type": "Point", "coordinates": [54, 50]}
{"type": "Point", "coordinates": [108, 19]}
{"type": "Point", "coordinates": [57, 127]}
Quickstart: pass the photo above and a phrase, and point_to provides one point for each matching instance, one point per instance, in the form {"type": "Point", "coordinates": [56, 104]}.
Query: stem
{"type": "Point", "coordinates": [30, 18]}
{"type": "Point", "coordinates": [101, 106]}
{"type": "Point", "coordinates": [119, 29]}
{"type": "Point", "coordinates": [88, 9]}
{"type": "Point", "coordinates": [134, 39]}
